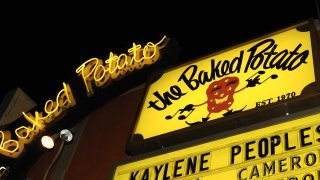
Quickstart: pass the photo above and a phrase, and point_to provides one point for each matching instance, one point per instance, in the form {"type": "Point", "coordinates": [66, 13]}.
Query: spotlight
{"type": "Point", "coordinates": [48, 141]}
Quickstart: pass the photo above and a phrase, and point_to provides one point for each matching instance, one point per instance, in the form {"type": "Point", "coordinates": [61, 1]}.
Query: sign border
{"type": "Point", "coordinates": [309, 98]}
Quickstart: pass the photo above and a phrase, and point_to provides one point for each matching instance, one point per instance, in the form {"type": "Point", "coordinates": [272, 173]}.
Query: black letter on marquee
{"type": "Point", "coordinates": [191, 165]}
{"type": "Point", "coordinates": [133, 175]}
{"type": "Point", "coordinates": [313, 159]}
{"type": "Point", "coordinates": [286, 142]}
{"type": "Point", "coordinates": [235, 150]}
{"type": "Point", "coordinates": [263, 147]}
{"type": "Point", "coordinates": [254, 172]}
{"type": "Point", "coordinates": [157, 170]}
{"type": "Point", "coordinates": [249, 150]}
{"type": "Point", "coordinates": [282, 165]}
{"type": "Point", "coordinates": [202, 161]}
{"type": "Point", "coordinates": [295, 160]}
{"type": "Point", "coordinates": [275, 141]}
{"type": "Point", "coordinates": [165, 173]}
{"type": "Point", "coordinates": [303, 136]}
{"type": "Point", "coordinates": [268, 169]}
{"type": "Point", "coordinates": [176, 168]}
{"type": "Point", "coordinates": [239, 174]}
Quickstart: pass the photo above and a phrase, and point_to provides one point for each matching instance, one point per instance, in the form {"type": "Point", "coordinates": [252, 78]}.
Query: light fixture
{"type": "Point", "coordinates": [48, 142]}
{"type": "Point", "coordinates": [66, 135]}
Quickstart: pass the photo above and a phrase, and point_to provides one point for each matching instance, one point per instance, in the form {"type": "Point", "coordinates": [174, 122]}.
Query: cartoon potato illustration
{"type": "Point", "coordinates": [220, 96]}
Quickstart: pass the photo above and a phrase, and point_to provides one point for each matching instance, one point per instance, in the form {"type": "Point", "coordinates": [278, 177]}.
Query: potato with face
{"type": "Point", "coordinates": [220, 94]}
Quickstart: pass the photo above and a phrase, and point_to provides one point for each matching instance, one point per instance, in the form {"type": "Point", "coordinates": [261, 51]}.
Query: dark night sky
{"type": "Point", "coordinates": [41, 47]}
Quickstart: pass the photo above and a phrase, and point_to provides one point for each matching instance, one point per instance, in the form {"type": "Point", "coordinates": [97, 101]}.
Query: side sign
{"type": "Point", "coordinates": [274, 68]}
{"type": "Point", "coordinates": [108, 78]}
{"type": "Point", "coordinates": [289, 150]}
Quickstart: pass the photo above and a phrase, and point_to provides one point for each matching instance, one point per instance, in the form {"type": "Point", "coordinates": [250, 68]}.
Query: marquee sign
{"type": "Point", "coordinates": [288, 150]}
{"type": "Point", "coordinates": [272, 69]}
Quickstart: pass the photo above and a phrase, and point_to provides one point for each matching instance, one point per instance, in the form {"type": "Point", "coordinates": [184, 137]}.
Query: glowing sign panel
{"type": "Point", "coordinates": [269, 70]}
{"type": "Point", "coordinates": [282, 151]}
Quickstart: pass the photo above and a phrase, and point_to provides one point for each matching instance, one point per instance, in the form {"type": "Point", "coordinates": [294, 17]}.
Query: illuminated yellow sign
{"type": "Point", "coordinates": [53, 109]}
{"type": "Point", "coordinates": [254, 74]}
{"type": "Point", "coordinates": [116, 66]}
{"type": "Point", "coordinates": [290, 150]}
